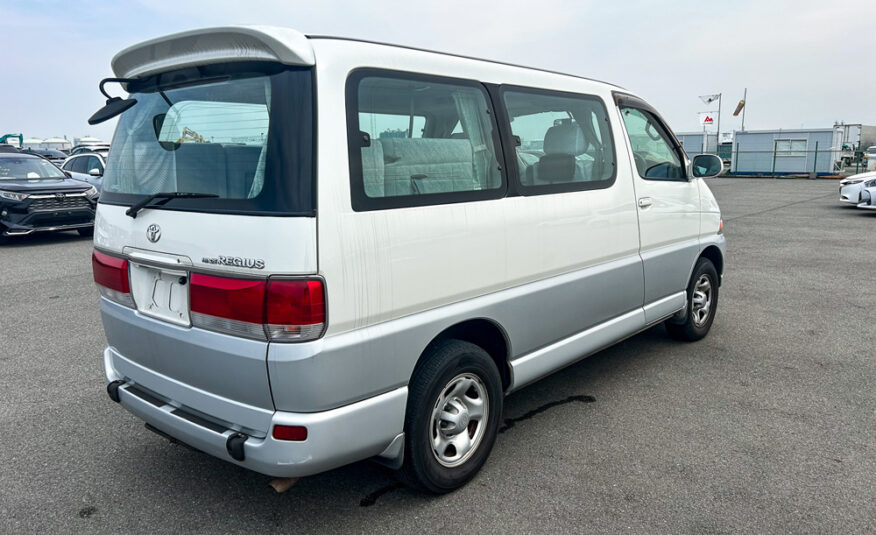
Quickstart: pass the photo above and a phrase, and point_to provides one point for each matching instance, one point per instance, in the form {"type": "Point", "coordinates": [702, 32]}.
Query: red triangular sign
{"type": "Point", "coordinates": [708, 120]}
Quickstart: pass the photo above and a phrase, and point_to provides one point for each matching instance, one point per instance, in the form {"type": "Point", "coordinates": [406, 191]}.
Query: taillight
{"type": "Point", "coordinates": [111, 277]}
{"type": "Point", "coordinates": [233, 306]}
{"type": "Point", "coordinates": [294, 310]}
{"type": "Point", "coordinates": [282, 310]}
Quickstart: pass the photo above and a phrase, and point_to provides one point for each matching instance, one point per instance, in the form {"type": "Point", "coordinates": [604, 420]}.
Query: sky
{"type": "Point", "coordinates": [805, 63]}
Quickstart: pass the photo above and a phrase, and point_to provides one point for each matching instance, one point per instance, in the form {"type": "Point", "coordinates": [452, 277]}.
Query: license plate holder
{"type": "Point", "coordinates": [161, 293]}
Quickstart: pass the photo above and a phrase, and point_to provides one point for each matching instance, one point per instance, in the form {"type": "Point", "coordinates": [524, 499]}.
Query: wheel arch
{"type": "Point", "coordinates": [713, 253]}
{"type": "Point", "coordinates": [484, 333]}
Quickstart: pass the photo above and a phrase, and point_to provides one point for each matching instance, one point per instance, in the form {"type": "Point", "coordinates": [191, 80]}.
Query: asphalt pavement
{"type": "Point", "coordinates": [766, 426]}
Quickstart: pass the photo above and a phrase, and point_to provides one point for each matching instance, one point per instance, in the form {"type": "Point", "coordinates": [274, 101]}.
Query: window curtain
{"type": "Point", "coordinates": [259, 180]}
{"type": "Point", "coordinates": [476, 125]}
{"type": "Point", "coordinates": [139, 167]}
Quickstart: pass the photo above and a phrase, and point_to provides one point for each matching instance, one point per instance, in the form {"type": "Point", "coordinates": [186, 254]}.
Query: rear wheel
{"type": "Point", "coordinates": [86, 231]}
{"type": "Point", "coordinates": [702, 303]}
{"type": "Point", "coordinates": [454, 411]}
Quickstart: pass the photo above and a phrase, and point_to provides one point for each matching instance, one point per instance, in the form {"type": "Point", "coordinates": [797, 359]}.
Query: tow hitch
{"type": "Point", "coordinates": [113, 389]}
{"type": "Point", "coordinates": [234, 445]}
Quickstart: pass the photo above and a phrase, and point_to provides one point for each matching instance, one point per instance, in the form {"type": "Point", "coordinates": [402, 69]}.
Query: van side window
{"type": "Point", "coordinates": [653, 148]}
{"type": "Point", "coordinates": [417, 140]}
{"type": "Point", "coordinates": [563, 141]}
{"type": "Point", "coordinates": [378, 125]}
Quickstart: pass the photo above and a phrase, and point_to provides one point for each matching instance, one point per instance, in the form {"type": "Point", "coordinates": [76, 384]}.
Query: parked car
{"type": "Point", "coordinates": [441, 270]}
{"type": "Point", "coordinates": [868, 196]}
{"type": "Point", "coordinates": [86, 166]}
{"type": "Point", "coordinates": [851, 187]}
{"type": "Point", "coordinates": [36, 196]}
{"type": "Point", "coordinates": [90, 147]}
{"type": "Point", "coordinates": [870, 158]}
{"type": "Point", "coordinates": [55, 156]}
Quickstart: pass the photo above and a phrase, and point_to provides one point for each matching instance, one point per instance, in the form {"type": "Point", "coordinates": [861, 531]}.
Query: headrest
{"type": "Point", "coordinates": [565, 138]}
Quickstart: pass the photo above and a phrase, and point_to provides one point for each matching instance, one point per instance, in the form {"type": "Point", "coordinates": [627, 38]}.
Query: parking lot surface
{"type": "Point", "coordinates": [767, 425]}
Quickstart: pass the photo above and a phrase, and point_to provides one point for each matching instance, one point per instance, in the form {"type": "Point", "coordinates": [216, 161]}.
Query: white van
{"type": "Point", "coordinates": [313, 251]}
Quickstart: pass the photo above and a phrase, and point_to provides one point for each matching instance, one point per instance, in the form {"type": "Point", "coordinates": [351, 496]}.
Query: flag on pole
{"type": "Point", "coordinates": [739, 108]}
{"type": "Point", "coordinates": [708, 99]}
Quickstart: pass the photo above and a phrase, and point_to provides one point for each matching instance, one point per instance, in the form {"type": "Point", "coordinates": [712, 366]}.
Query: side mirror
{"type": "Point", "coordinates": [706, 165]}
{"type": "Point", "coordinates": [94, 172]}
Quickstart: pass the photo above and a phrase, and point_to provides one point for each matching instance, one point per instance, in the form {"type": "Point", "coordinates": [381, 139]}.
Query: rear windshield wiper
{"type": "Point", "coordinates": [165, 196]}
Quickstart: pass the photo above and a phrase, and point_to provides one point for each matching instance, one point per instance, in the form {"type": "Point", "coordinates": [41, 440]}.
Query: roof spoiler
{"type": "Point", "coordinates": [213, 45]}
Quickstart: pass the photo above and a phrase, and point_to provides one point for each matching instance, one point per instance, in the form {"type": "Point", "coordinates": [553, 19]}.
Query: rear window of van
{"type": "Point", "coordinates": [241, 134]}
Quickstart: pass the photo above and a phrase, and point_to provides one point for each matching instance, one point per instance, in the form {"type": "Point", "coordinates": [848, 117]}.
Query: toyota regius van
{"type": "Point", "coordinates": [312, 251]}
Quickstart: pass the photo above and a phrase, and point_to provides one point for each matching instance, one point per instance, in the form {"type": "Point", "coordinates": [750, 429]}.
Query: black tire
{"type": "Point", "coordinates": [86, 231]}
{"type": "Point", "coordinates": [430, 385]}
{"type": "Point", "coordinates": [692, 330]}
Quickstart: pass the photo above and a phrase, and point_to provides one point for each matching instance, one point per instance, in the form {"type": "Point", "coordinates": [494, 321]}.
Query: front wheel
{"type": "Point", "coordinates": [454, 411]}
{"type": "Point", "coordinates": [702, 303]}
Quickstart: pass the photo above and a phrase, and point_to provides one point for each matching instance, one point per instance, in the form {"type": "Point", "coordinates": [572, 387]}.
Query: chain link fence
{"type": "Point", "coordinates": [816, 162]}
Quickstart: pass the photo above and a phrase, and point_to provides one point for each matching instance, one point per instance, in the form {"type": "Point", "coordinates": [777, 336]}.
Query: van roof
{"type": "Point", "coordinates": [461, 56]}
{"type": "Point", "coordinates": [247, 43]}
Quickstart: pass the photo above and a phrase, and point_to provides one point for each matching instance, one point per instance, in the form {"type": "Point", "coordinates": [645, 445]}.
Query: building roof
{"type": "Point", "coordinates": [783, 131]}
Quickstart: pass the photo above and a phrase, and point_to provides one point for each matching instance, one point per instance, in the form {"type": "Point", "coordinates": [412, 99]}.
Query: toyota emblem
{"type": "Point", "coordinates": [153, 232]}
{"type": "Point", "coordinates": [60, 196]}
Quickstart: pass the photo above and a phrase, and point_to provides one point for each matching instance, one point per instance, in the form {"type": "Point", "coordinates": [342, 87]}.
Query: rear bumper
{"type": "Point", "coordinates": [334, 438]}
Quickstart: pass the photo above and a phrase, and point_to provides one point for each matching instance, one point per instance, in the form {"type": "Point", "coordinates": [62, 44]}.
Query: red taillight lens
{"type": "Point", "coordinates": [233, 306]}
{"type": "Point", "coordinates": [235, 299]}
{"type": "Point", "coordinates": [279, 310]}
{"type": "Point", "coordinates": [295, 309]}
{"type": "Point", "coordinates": [295, 302]}
{"type": "Point", "coordinates": [111, 277]}
{"type": "Point", "coordinates": [290, 432]}
{"type": "Point", "coordinates": [110, 272]}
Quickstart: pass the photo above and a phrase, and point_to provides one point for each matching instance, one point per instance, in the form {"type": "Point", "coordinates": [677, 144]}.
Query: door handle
{"type": "Point", "coordinates": [645, 202]}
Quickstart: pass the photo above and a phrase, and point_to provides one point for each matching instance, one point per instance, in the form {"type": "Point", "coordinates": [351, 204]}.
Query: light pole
{"type": "Point", "coordinates": [718, 132]}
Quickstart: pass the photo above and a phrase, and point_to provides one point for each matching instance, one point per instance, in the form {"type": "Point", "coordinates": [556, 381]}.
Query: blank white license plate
{"type": "Point", "coordinates": [161, 293]}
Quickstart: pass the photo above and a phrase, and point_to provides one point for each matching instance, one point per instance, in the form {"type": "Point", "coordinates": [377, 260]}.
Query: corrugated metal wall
{"type": "Point", "coordinates": [693, 142]}
{"type": "Point", "coordinates": [754, 152]}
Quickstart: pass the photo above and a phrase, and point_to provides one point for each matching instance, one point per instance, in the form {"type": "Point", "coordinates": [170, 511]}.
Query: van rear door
{"type": "Point", "coordinates": [221, 159]}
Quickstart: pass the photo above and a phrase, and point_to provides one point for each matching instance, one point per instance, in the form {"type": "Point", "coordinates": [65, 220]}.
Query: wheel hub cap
{"type": "Point", "coordinates": [459, 419]}
{"type": "Point", "coordinates": [701, 302]}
